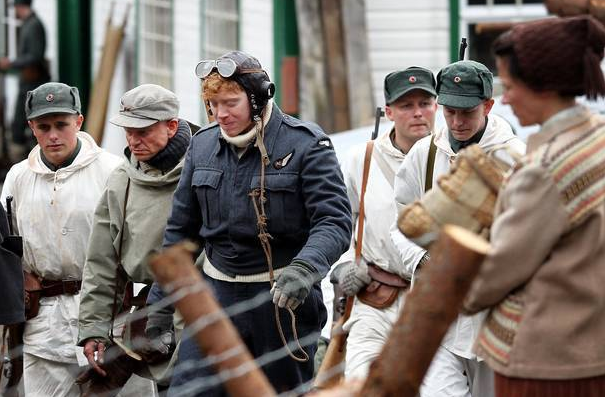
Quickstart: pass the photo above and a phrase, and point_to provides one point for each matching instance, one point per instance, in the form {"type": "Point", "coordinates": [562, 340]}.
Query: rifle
{"type": "Point", "coordinates": [330, 373]}
{"type": "Point", "coordinates": [9, 214]}
{"type": "Point", "coordinates": [379, 113]}
{"type": "Point", "coordinates": [12, 335]}
{"type": "Point", "coordinates": [462, 49]}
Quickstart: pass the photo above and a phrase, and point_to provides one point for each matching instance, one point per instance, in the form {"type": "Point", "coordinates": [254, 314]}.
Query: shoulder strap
{"type": "Point", "coordinates": [387, 171]}
{"type": "Point", "coordinates": [119, 269]}
{"type": "Point", "coordinates": [430, 165]}
{"type": "Point", "coordinates": [364, 182]}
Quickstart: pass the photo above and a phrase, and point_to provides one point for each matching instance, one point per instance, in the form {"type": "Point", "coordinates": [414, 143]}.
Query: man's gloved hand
{"type": "Point", "coordinates": [294, 284]}
{"type": "Point", "coordinates": [351, 277]}
{"type": "Point", "coordinates": [158, 346]}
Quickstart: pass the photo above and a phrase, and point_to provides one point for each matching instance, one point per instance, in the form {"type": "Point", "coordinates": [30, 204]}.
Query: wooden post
{"type": "Point", "coordinates": [174, 269]}
{"type": "Point", "coordinates": [357, 59]}
{"type": "Point", "coordinates": [431, 306]}
{"type": "Point", "coordinates": [314, 102]}
{"type": "Point", "coordinates": [336, 66]}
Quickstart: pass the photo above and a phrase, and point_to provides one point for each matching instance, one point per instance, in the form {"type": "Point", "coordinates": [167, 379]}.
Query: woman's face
{"type": "Point", "coordinates": [526, 103]}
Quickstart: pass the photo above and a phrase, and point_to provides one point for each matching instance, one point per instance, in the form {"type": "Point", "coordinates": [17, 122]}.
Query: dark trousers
{"type": "Point", "coordinates": [258, 330]}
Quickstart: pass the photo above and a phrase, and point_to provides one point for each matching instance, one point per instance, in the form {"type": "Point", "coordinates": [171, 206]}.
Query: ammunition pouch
{"type": "Point", "coordinates": [31, 290]}
{"type": "Point", "coordinates": [35, 288]}
{"type": "Point", "coordinates": [383, 289]}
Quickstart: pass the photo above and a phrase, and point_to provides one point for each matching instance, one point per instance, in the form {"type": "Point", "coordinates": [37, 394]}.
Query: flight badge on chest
{"type": "Point", "coordinates": [281, 163]}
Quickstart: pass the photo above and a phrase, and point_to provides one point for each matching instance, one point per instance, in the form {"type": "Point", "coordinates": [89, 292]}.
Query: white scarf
{"type": "Point", "coordinates": [242, 141]}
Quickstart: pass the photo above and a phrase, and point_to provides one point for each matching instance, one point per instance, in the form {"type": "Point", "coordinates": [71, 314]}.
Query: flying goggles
{"type": "Point", "coordinates": [225, 67]}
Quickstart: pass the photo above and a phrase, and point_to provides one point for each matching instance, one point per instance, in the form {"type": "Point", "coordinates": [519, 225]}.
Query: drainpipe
{"type": "Point", "coordinates": [454, 29]}
{"type": "Point", "coordinates": [74, 45]}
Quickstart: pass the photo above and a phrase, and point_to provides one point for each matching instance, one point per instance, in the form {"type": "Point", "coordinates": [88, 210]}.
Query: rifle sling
{"type": "Point", "coordinates": [430, 165]}
{"type": "Point", "coordinates": [361, 218]}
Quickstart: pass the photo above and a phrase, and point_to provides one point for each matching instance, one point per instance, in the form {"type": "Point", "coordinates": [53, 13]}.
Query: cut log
{"type": "Point", "coordinates": [431, 306]}
{"type": "Point", "coordinates": [175, 271]}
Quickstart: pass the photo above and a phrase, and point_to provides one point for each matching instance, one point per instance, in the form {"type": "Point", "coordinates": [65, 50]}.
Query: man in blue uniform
{"type": "Point", "coordinates": [259, 179]}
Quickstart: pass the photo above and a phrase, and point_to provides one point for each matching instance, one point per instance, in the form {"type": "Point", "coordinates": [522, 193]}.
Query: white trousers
{"type": "Point", "coordinates": [368, 330]}
{"type": "Point", "coordinates": [45, 378]}
{"type": "Point", "coordinates": [451, 375]}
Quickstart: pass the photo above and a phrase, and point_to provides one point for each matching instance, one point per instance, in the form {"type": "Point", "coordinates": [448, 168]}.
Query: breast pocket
{"type": "Point", "coordinates": [207, 182]}
{"type": "Point", "coordinates": [284, 206]}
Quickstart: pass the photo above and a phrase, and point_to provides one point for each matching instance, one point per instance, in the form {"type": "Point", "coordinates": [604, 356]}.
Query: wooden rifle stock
{"type": "Point", "coordinates": [330, 373]}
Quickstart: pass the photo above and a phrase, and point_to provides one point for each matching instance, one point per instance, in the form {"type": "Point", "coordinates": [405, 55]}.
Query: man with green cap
{"type": "Point", "coordinates": [30, 64]}
{"type": "Point", "coordinates": [411, 105]}
{"type": "Point", "coordinates": [55, 191]}
{"type": "Point", "coordinates": [464, 90]}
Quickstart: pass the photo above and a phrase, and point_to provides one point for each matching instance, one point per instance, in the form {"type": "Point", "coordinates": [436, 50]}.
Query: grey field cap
{"type": "Point", "coordinates": [52, 98]}
{"type": "Point", "coordinates": [146, 105]}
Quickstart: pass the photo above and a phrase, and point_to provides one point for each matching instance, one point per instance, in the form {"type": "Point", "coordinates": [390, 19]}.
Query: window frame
{"type": "Point", "coordinates": [167, 64]}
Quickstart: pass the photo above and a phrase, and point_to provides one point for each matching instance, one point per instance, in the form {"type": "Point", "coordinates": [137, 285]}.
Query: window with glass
{"type": "Point", "coordinates": [482, 21]}
{"type": "Point", "coordinates": [155, 49]}
{"type": "Point", "coordinates": [220, 29]}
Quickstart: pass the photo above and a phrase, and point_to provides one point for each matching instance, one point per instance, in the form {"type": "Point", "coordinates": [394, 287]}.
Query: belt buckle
{"type": "Point", "coordinates": [70, 286]}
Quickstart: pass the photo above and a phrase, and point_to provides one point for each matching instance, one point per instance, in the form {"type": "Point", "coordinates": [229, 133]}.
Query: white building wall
{"type": "Point", "coordinates": [187, 48]}
{"type": "Point", "coordinates": [256, 31]}
{"type": "Point", "coordinates": [403, 33]}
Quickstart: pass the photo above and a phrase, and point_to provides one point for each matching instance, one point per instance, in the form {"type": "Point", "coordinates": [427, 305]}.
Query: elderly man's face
{"type": "Point", "coordinates": [56, 135]}
{"type": "Point", "coordinates": [145, 143]}
{"type": "Point", "coordinates": [463, 124]}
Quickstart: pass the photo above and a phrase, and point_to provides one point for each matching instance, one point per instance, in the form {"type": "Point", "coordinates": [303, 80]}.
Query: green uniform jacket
{"type": "Point", "coordinates": [147, 211]}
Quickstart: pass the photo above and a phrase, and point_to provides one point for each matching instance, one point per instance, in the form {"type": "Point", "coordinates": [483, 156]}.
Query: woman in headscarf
{"type": "Point", "coordinates": [544, 277]}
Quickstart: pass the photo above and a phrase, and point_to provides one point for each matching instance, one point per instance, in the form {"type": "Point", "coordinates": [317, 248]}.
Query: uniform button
{"type": "Point", "coordinates": [64, 231]}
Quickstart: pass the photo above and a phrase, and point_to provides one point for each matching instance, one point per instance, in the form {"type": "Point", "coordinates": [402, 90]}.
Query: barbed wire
{"type": "Point", "coordinates": [205, 382]}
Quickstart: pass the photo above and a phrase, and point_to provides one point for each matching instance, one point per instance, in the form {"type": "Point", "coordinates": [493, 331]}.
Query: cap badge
{"type": "Point", "coordinates": [412, 79]}
{"type": "Point", "coordinates": [50, 98]}
{"type": "Point", "coordinates": [457, 79]}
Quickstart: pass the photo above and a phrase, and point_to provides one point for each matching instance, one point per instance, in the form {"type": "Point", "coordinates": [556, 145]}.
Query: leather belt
{"type": "Point", "coordinates": [380, 275]}
{"type": "Point", "coordinates": [59, 287]}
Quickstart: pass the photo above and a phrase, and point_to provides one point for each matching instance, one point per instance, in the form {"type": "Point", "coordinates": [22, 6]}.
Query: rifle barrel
{"type": "Point", "coordinates": [9, 214]}
{"type": "Point", "coordinates": [379, 113]}
{"type": "Point", "coordinates": [462, 49]}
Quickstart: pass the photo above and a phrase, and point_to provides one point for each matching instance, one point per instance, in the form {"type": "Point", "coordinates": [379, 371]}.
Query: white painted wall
{"type": "Point", "coordinates": [187, 47]}
{"type": "Point", "coordinates": [256, 32]}
{"type": "Point", "coordinates": [406, 33]}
